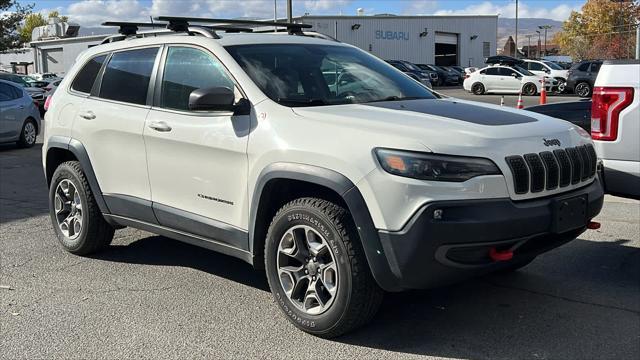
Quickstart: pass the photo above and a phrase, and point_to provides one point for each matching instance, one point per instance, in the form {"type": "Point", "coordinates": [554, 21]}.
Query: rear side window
{"type": "Point", "coordinates": [492, 71]}
{"type": "Point", "coordinates": [8, 92]}
{"type": "Point", "coordinates": [127, 75]}
{"type": "Point", "coordinates": [535, 66]}
{"type": "Point", "coordinates": [187, 69]}
{"type": "Point", "coordinates": [595, 67]}
{"type": "Point", "coordinates": [83, 82]}
{"type": "Point", "coordinates": [584, 67]}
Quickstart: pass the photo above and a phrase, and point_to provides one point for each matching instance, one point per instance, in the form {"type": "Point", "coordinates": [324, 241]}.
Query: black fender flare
{"type": "Point", "coordinates": [352, 197]}
{"type": "Point", "coordinates": [80, 152]}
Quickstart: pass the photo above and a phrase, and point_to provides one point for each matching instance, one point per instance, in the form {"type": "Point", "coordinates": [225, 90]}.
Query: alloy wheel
{"type": "Point", "coordinates": [307, 269]}
{"type": "Point", "coordinates": [68, 209]}
{"type": "Point", "coordinates": [582, 90]}
{"type": "Point", "coordinates": [29, 133]}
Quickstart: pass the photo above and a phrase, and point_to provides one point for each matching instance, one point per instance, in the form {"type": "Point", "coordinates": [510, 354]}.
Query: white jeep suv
{"type": "Point", "coordinates": [235, 142]}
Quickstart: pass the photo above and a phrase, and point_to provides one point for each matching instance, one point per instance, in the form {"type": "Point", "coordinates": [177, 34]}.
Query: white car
{"type": "Point", "coordinates": [44, 76]}
{"type": "Point", "coordinates": [548, 69]}
{"type": "Point", "coordinates": [502, 79]}
{"type": "Point", "coordinates": [340, 189]}
{"type": "Point", "coordinates": [615, 125]}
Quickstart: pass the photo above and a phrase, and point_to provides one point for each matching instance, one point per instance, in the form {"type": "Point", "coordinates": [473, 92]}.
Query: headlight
{"type": "Point", "coordinates": [434, 167]}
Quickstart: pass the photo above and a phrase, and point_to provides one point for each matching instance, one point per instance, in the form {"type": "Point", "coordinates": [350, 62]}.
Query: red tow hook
{"type": "Point", "coordinates": [593, 225]}
{"type": "Point", "coordinates": [503, 255]}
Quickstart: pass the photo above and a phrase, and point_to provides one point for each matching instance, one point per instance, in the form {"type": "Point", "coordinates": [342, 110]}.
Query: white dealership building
{"type": "Point", "coordinates": [464, 40]}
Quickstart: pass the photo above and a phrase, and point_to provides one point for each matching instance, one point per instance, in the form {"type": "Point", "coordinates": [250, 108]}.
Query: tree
{"type": "Point", "coordinates": [31, 22]}
{"type": "Point", "coordinates": [602, 29]}
{"type": "Point", "coordinates": [56, 14]}
{"type": "Point", "coordinates": [11, 16]}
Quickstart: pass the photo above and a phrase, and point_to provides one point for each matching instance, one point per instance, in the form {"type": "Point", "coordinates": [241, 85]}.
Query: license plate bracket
{"type": "Point", "coordinates": [569, 214]}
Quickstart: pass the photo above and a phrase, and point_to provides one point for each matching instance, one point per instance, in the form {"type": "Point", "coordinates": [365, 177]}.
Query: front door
{"type": "Point", "coordinates": [509, 81]}
{"type": "Point", "coordinates": [10, 109]}
{"type": "Point", "coordinates": [197, 160]}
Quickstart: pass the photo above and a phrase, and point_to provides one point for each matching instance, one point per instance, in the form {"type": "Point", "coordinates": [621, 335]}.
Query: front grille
{"type": "Point", "coordinates": [548, 170]}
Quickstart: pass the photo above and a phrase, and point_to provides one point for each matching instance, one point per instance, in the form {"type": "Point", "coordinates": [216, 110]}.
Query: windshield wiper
{"type": "Point", "coordinates": [398, 98]}
{"type": "Point", "coordinates": [310, 102]}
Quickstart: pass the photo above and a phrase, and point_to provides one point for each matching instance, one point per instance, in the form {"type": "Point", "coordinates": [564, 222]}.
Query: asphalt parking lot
{"type": "Point", "coordinates": [510, 100]}
{"type": "Point", "coordinates": [151, 297]}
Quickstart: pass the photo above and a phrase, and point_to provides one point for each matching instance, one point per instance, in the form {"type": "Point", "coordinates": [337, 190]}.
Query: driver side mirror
{"type": "Point", "coordinates": [515, 75]}
{"type": "Point", "coordinates": [212, 99]}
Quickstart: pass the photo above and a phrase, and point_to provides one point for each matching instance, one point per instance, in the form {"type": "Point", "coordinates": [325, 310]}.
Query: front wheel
{"type": "Point", "coordinates": [529, 89]}
{"type": "Point", "coordinates": [583, 89]}
{"type": "Point", "coordinates": [317, 269]}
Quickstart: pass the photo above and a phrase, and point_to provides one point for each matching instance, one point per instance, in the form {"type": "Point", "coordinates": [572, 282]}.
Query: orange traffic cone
{"type": "Point", "coordinates": [543, 93]}
{"type": "Point", "coordinates": [520, 105]}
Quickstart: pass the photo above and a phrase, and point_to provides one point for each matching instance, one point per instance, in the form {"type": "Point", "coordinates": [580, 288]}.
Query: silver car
{"type": "Point", "coordinates": [19, 115]}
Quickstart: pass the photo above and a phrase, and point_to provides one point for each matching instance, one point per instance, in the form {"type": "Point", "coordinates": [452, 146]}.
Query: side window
{"type": "Point", "coordinates": [187, 69]}
{"type": "Point", "coordinates": [7, 92]}
{"type": "Point", "coordinates": [493, 71]}
{"type": "Point", "coordinates": [85, 78]}
{"type": "Point", "coordinates": [127, 75]}
{"type": "Point", "coordinates": [584, 67]}
{"type": "Point", "coordinates": [595, 67]}
{"type": "Point", "coordinates": [534, 66]}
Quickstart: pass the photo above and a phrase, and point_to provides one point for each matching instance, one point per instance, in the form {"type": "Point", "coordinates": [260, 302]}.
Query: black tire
{"type": "Point", "coordinates": [477, 88]}
{"type": "Point", "coordinates": [357, 298]}
{"type": "Point", "coordinates": [95, 232]}
{"type": "Point", "coordinates": [529, 89]}
{"type": "Point", "coordinates": [28, 133]}
{"type": "Point", "coordinates": [583, 89]}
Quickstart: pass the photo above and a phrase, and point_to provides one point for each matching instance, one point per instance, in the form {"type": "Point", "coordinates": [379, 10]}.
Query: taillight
{"type": "Point", "coordinates": [606, 105]}
{"type": "Point", "coordinates": [47, 103]}
{"type": "Point", "coordinates": [466, 76]}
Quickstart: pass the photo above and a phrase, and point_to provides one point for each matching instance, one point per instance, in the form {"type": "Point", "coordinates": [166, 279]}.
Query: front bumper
{"type": "Point", "coordinates": [430, 252]}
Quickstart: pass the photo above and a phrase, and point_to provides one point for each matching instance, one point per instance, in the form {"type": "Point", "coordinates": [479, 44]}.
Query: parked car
{"type": "Point", "coordinates": [19, 115]}
{"type": "Point", "coordinates": [445, 77]}
{"type": "Point", "coordinates": [241, 147]}
{"type": "Point", "coordinates": [459, 69]}
{"type": "Point", "coordinates": [502, 79]}
{"type": "Point", "coordinates": [615, 125]}
{"type": "Point", "coordinates": [36, 93]}
{"type": "Point", "coordinates": [414, 72]}
{"type": "Point", "coordinates": [52, 86]}
{"type": "Point", "coordinates": [582, 76]}
{"type": "Point", "coordinates": [44, 76]}
{"type": "Point", "coordinates": [548, 69]}
{"type": "Point", "coordinates": [33, 82]}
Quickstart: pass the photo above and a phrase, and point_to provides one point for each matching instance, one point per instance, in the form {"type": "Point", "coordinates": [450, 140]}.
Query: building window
{"type": "Point", "coordinates": [486, 49]}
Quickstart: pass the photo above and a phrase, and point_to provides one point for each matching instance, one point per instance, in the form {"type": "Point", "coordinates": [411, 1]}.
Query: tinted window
{"type": "Point", "coordinates": [584, 67]}
{"type": "Point", "coordinates": [87, 75]}
{"type": "Point", "coordinates": [492, 71]}
{"type": "Point", "coordinates": [127, 76]}
{"type": "Point", "coordinates": [506, 71]}
{"type": "Point", "coordinates": [535, 66]}
{"type": "Point", "coordinates": [8, 92]}
{"type": "Point", "coordinates": [293, 75]}
{"type": "Point", "coordinates": [188, 69]}
{"type": "Point", "coordinates": [595, 67]}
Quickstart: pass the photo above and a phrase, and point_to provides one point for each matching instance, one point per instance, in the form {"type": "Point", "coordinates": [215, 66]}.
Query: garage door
{"type": "Point", "coordinates": [52, 60]}
{"type": "Point", "coordinates": [446, 49]}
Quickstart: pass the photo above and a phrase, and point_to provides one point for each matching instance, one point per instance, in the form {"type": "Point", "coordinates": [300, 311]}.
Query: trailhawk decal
{"type": "Point", "coordinates": [456, 110]}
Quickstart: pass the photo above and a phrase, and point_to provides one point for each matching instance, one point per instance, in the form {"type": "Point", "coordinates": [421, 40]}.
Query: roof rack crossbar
{"type": "Point", "coordinates": [131, 28]}
{"type": "Point", "coordinates": [178, 21]}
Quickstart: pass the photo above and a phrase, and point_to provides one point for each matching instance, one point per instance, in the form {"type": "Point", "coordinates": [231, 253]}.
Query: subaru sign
{"type": "Point", "coordinates": [391, 35]}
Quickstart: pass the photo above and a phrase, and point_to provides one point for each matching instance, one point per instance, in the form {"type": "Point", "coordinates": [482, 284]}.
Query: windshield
{"type": "Point", "coordinates": [553, 65]}
{"type": "Point", "coordinates": [316, 75]}
{"type": "Point", "coordinates": [523, 71]}
{"type": "Point", "coordinates": [411, 66]}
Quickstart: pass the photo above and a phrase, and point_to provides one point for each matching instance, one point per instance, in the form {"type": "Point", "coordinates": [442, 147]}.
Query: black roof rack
{"type": "Point", "coordinates": [131, 28]}
{"type": "Point", "coordinates": [179, 23]}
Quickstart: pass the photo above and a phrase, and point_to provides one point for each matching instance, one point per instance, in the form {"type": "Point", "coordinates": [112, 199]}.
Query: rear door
{"type": "Point", "coordinates": [10, 109]}
{"type": "Point", "coordinates": [110, 123]}
{"type": "Point", "coordinates": [197, 160]}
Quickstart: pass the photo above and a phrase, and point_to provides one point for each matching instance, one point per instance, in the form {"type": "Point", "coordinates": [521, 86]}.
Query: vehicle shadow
{"type": "Point", "coordinates": [23, 188]}
{"type": "Point", "coordinates": [160, 250]}
{"type": "Point", "coordinates": [553, 308]}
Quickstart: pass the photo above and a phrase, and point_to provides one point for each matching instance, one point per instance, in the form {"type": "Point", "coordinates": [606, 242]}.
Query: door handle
{"type": "Point", "coordinates": [160, 126]}
{"type": "Point", "coordinates": [21, 106]}
{"type": "Point", "coordinates": [89, 115]}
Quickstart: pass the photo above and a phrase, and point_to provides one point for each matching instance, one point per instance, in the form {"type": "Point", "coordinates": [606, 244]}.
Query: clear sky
{"type": "Point", "coordinates": [93, 12]}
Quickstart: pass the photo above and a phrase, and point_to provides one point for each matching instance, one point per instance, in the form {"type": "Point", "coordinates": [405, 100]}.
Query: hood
{"type": "Point", "coordinates": [452, 126]}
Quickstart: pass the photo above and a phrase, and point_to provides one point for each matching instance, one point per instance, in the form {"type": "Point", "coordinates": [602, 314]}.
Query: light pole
{"type": "Point", "coordinates": [289, 12]}
{"type": "Point", "coordinates": [538, 47]}
{"type": "Point", "coordinates": [516, 29]}
{"type": "Point", "coordinates": [545, 28]}
{"type": "Point", "coordinates": [529, 46]}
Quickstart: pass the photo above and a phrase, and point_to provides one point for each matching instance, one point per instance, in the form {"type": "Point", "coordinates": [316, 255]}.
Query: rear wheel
{"type": "Point", "coordinates": [583, 89]}
{"type": "Point", "coordinates": [317, 269]}
{"type": "Point", "coordinates": [477, 89]}
{"type": "Point", "coordinates": [76, 218]}
{"type": "Point", "coordinates": [529, 89]}
{"type": "Point", "coordinates": [28, 134]}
